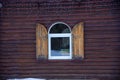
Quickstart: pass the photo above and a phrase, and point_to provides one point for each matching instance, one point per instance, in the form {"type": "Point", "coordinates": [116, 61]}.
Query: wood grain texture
{"type": "Point", "coordinates": [78, 41]}
{"type": "Point", "coordinates": [41, 42]}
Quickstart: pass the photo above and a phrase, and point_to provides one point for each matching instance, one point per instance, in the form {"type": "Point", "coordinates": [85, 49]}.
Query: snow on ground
{"type": "Point", "coordinates": [27, 79]}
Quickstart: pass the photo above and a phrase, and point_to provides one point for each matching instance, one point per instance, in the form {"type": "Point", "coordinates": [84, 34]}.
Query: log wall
{"type": "Point", "coordinates": [18, 19]}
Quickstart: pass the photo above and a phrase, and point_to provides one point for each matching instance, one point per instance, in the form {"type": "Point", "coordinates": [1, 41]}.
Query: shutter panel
{"type": "Point", "coordinates": [78, 41]}
{"type": "Point", "coordinates": [41, 42]}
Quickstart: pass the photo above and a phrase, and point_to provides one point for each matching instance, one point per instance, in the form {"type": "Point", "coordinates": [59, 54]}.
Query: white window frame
{"type": "Point", "coordinates": [58, 35]}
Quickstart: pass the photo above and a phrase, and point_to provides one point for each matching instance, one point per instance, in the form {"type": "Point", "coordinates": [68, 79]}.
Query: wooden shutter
{"type": "Point", "coordinates": [41, 42]}
{"type": "Point", "coordinates": [78, 41]}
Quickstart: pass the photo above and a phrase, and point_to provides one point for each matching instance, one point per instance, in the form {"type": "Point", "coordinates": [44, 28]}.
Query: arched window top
{"type": "Point", "coordinates": [59, 27]}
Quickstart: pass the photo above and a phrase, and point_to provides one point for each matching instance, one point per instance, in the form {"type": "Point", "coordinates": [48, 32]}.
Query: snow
{"type": "Point", "coordinates": [27, 79]}
{"type": "Point", "coordinates": [59, 53]}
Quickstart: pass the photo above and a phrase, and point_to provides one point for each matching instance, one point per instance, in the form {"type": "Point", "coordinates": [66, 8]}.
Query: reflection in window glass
{"type": "Point", "coordinates": [59, 28]}
{"type": "Point", "coordinates": [60, 46]}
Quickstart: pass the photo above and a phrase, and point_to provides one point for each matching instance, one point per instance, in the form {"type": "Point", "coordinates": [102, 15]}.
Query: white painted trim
{"type": "Point", "coordinates": [59, 35]}
{"type": "Point", "coordinates": [58, 23]}
{"type": "Point", "coordinates": [51, 35]}
{"type": "Point", "coordinates": [49, 49]}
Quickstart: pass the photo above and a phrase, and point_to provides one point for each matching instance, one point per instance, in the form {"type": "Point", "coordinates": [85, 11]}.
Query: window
{"type": "Point", "coordinates": [60, 42]}
{"type": "Point", "coordinates": [59, 37]}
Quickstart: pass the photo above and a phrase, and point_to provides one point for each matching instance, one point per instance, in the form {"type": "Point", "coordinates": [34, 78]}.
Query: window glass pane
{"type": "Point", "coordinates": [60, 46]}
{"type": "Point", "coordinates": [59, 28]}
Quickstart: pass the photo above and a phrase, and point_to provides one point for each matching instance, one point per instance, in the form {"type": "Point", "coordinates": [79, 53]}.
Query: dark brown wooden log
{"type": "Point", "coordinates": [18, 21]}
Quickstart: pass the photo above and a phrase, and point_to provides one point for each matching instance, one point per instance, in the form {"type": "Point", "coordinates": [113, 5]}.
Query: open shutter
{"type": "Point", "coordinates": [41, 42]}
{"type": "Point", "coordinates": [78, 41]}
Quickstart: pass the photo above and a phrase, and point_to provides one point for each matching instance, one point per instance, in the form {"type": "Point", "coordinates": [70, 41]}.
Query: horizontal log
{"type": "Point", "coordinates": [94, 27]}
{"type": "Point", "coordinates": [33, 11]}
{"type": "Point", "coordinates": [62, 75]}
{"type": "Point", "coordinates": [32, 55]}
{"type": "Point", "coordinates": [32, 18]}
{"type": "Point", "coordinates": [69, 72]}
{"type": "Point", "coordinates": [32, 60]}
{"type": "Point", "coordinates": [58, 67]}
